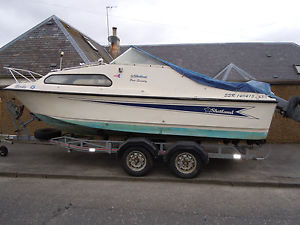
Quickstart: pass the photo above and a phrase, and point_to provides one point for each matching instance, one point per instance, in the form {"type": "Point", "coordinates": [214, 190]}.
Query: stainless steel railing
{"type": "Point", "coordinates": [28, 75]}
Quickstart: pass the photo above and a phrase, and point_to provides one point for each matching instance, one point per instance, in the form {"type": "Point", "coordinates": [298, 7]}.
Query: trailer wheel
{"type": "Point", "coordinates": [47, 133]}
{"type": "Point", "coordinates": [185, 163]}
{"type": "Point", "coordinates": [3, 151]}
{"type": "Point", "coordinates": [137, 161]}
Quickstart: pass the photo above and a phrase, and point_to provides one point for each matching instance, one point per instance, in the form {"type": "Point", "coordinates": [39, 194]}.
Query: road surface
{"type": "Point", "coordinates": [62, 201]}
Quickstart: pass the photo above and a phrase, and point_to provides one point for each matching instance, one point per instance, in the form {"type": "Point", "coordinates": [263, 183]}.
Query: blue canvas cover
{"type": "Point", "coordinates": [250, 86]}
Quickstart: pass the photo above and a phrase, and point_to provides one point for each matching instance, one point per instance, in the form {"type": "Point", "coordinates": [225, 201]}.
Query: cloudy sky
{"type": "Point", "coordinates": [161, 21]}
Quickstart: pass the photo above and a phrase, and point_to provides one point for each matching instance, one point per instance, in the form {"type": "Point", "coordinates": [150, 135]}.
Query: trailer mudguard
{"type": "Point", "coordinates": [187, 145]}
{"type": "Point", "coordinates": [138, 142]}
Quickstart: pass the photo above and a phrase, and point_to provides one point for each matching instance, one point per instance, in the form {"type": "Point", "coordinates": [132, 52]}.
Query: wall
{"type": "Point", "coordinates": [6, 125]}
{"type": "Point", "coordinates": [284, 130]}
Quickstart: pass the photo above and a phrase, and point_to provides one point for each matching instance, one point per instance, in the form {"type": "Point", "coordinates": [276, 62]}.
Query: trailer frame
{"type": "Point", "coordinates": [186, 158]}
{"type": "Point", "coordinates": [223, 151]}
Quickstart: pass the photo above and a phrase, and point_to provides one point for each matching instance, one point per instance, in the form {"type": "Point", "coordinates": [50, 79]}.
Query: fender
{"type": "Point", "coordinates": [138, 142]}
{"type": "Point", "coordinates": [187, 145]}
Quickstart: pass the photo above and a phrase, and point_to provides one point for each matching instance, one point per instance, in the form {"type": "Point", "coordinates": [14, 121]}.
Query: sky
{"type": "Point", "coordinates": [160, 21]}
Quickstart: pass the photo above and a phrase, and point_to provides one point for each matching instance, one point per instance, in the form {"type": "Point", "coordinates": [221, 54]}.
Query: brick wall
{"type": "Point", "coordinates": [6, 125]}
{"type": "Point", "coordinates": [284, 130]}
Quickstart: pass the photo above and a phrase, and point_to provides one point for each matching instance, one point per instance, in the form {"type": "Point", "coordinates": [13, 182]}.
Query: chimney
{"type": "Point", "coordinates": [114, 48]}
{"type": "Point", "coordinates": [114, 31]}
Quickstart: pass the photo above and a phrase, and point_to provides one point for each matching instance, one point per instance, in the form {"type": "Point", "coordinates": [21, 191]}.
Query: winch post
{"type": "Point", "coordinates": [15, 113]}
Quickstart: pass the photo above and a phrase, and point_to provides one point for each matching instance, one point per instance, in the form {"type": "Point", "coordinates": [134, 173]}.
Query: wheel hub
{"type": "Point", "coordinates": [136, 161]}
{"type": "Point", "coordinates": [186, 163]}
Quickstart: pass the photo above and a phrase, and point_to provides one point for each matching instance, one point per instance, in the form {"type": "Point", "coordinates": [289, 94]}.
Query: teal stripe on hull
{"type": "Point", "coordinates": [160, 130]}
{"type": "Point", "coordinates": [173, 130]}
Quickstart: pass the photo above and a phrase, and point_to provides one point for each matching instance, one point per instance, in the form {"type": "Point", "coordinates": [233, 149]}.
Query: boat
{"type": "Point", "coordinates": [142, 94]}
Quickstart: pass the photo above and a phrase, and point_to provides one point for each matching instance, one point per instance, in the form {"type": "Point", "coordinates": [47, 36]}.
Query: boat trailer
{"type": "Point", "coordinates": [185, 158]}
{"type": "Point", "coordinates": [216, 150]}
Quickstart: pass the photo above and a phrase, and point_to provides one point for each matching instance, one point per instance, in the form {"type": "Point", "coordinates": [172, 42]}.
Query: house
{"type": "Point", "coordinates": [276, 63]}
{"type": "Point", "coordinates": [39, 48]}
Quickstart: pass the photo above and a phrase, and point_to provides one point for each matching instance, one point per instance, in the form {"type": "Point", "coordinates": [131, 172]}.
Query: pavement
{"type": "Point", "coordinates": [281, 169]}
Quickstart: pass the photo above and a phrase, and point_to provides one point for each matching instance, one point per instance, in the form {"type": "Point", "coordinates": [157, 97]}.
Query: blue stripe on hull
{"type": "Point", "coordinates": [219, 110]}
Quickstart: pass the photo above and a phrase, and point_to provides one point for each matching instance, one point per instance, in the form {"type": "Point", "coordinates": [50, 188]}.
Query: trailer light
{"type": "Point", "coordinates": [92, 150]}
{"type": "Point", "coordinates": [237, 156]}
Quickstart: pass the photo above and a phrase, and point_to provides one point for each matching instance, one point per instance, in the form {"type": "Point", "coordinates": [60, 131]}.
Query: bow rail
{"type": "Point", "coordinates": [28, 75]}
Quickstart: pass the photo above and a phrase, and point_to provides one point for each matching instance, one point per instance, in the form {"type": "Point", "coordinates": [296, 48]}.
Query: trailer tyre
{"type": "Point", "coordinates": [3, 151]}
{"type": "Point", "coordinates": [137, 161]}
{"type": "Point", "coordinates": [47, 133]}
{"type": "Point", "coordinates": [185, 164]}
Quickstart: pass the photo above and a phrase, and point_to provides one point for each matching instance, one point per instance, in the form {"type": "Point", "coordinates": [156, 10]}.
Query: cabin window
{"type": "Point", "coordinates": [79, 79]}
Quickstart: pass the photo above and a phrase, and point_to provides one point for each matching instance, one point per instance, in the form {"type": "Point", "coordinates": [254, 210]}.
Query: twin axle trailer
{"type": "Point", "coordinates": [185, 158]}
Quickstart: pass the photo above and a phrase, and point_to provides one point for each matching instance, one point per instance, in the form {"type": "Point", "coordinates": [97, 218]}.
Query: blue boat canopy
{"type": "Point", "coordinates": [146, 58]}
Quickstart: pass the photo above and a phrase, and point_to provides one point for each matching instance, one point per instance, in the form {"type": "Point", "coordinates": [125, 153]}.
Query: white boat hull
{"type": "Point", "coordinates": [248, 120]}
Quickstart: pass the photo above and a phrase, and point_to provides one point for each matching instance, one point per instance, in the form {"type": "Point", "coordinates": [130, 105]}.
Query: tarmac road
{"type": "Point", "coordinates": [282, 168]}
{"type": "Point", "coordinates": [58, 201]}
{"type": "Point", "coordinates": [93, 189]}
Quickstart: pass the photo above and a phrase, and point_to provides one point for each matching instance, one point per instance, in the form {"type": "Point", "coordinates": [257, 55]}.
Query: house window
{"type": "Point", "coordinates": [79, 79]}
{"type": "Point", "coordinates": [297, 67]}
